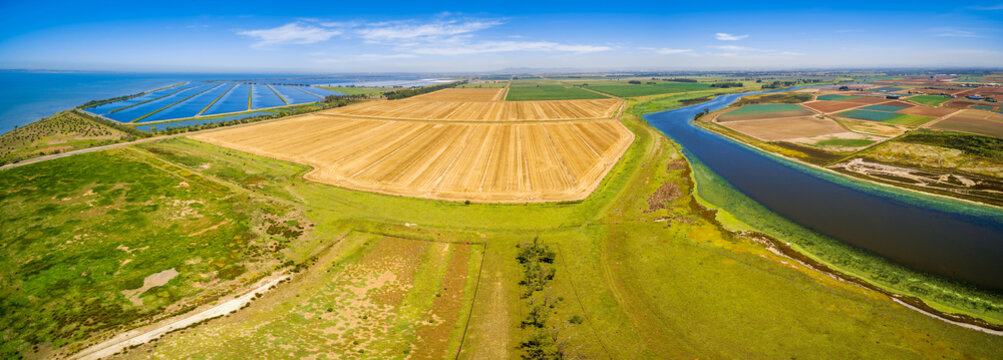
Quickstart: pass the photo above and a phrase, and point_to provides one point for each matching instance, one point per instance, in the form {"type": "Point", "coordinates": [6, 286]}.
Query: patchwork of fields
{"type": "Point", "coordinates": [772, 122]}
{"type": "Point", "coordinates": [895, 112]}
{"type": "Point", "coordinates": [974, 121]}
{"type": "Point", "coordinates": [207, 98]}
{"type": "Point", "coordinates": [455, 144]}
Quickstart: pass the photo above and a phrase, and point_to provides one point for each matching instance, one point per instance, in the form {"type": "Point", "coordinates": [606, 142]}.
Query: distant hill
{"type": "Point", "coordinates": [64, 131]}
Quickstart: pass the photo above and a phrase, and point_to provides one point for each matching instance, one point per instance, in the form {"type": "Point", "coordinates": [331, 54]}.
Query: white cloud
{"type": "Point", "coordinates": [292, 33]}
{"type": "Point", "coordinates": [952, 32]}
{"type": "Point", "coordinates": [504, 46]}
{"type": "Point", "coordinates": [729, 37]}
{"type": "Point", "coordinates": [990, 7]}
{"type": "Point", "coordinates": [382, 32]}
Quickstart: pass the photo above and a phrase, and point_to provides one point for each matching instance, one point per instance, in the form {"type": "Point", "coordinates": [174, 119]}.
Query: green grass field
{"type": "Point", "coordinates": [636, 275]}
{"type": "Point", "coordinates": [549, 92]}
{"type": "Point", "coordinates": [82, 231]}
{"type": "Point", "coordinates": [909, 120]}
{"type": "Point", "coordinates": [931, 100]}
{"type": "Point", "coordinates": [630, 90]}
{"type": "Point", "coordinates": [64, 131]}
{"type": "Point", "coordinates": [765, 109]}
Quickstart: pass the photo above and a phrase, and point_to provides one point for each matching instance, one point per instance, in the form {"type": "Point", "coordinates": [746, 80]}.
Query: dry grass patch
{"type": "Point", "coordinates": [492, 162]}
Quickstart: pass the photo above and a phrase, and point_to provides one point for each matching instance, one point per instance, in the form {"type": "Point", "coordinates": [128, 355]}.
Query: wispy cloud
{"type": "Point", "coordinates": [734, 50]}
{"type": "Point", "coordinates": [988, 7]}
{"type": "Point", "coordinates": [292, 33]}
{"type": "Point", "coordinates": [952, 32]}
{"type": "Point", "coordinates": [729, 37]}
{"type": "Point", "coordinates": [382, 32]}
{"type": "Point", "coordinates": [385, 56]}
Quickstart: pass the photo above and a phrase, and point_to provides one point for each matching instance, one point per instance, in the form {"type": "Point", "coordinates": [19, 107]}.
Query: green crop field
{"type": "Point", "coordinates": [835, 97]}
{"type": "Point", "coordinates": [766, 109]}
{"type": "Point", "coordinates": [867, 115]}
{"type": "Point", "coordinates": [932, 100]}
{"type": "Point", "coordinates": [629, 90]}
{"type": "Point", "coordinates": [549, 92]}
{"type": "Point", "coordinates": [886, 108]}
{"type": "Point", "coordinates": [908, 120]}
{"type": "Point", "coordinates": [640, 269]}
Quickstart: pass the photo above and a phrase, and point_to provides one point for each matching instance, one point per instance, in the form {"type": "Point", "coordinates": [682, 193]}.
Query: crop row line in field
{"type": "Point", "coordinates": [216, 99]}
{"type": "Point", "coordinates": [174, 103]}
{"type": "Point", "coordinates": [277, 94]}
{"type": "Point", "coordinates": [144, 102]}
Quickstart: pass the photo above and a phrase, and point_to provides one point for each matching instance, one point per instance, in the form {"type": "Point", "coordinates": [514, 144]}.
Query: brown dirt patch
{"type": "Point", "coordinates": [433, 337]}
{"type": "Point", "coordinates": [660, 199]}
{"type": "Point", "coordinates": [974, 121]}
{"type": "Point", "coordinates": [923, 110]}
{"type": "Point", "coordinates": [830, 106]}
{"type": "Point", "coordinates": [785, 128]}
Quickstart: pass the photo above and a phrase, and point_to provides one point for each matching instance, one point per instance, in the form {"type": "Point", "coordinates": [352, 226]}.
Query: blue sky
{"type": "Point", "coordinates": [380, 36]}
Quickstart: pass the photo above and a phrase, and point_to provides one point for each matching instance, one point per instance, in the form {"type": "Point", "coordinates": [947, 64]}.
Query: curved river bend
{"type": "Point", "coordinates": [940, 236]}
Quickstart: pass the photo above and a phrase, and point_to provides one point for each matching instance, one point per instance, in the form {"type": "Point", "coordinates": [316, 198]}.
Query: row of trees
{"type": "Point", "coordinates": [409, 92]}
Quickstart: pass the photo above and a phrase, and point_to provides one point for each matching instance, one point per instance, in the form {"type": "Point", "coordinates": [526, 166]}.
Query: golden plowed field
{"type": "Point", "coordinates": [417, 109]}
{"type": "Point", "coordinates": [492, 162]}
{"type": "Point", "coordinates": [460, 94]}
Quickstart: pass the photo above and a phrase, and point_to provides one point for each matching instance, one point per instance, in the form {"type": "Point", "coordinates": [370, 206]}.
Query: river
{"type": "Point", "coordinates": [950, 238]}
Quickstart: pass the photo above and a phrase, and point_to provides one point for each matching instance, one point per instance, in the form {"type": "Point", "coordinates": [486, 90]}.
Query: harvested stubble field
{"type": "Point", "coordinates": [974, 121]}
{"type": "Point", "coordinates": [462, 94]}
{"type": "Point", "coordinates": [831, 106]}
{"type": "Point", "coordinates": [785, 128]}
{"type": "Point", "coordinates": [483, 110]}
{"type": "Point", "coordinates": [497, 162]}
